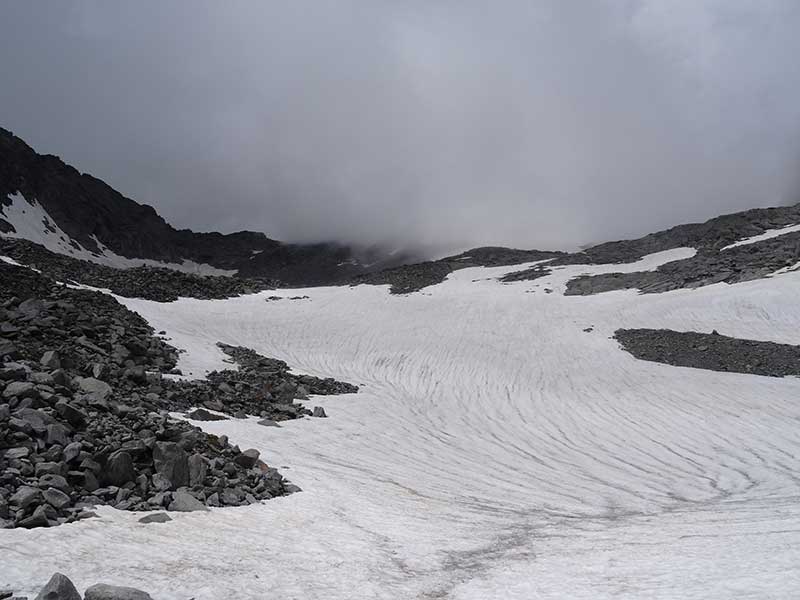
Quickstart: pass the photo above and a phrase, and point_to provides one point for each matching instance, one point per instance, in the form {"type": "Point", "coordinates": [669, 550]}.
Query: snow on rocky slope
{"type": "Point", "coordinates": [496, 449]}
{"type": "Point", "coordinates": [30, 221]}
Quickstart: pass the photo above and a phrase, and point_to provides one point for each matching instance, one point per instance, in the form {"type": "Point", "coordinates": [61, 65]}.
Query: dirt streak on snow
{"type": "Point", "coordinates": [496, 450]}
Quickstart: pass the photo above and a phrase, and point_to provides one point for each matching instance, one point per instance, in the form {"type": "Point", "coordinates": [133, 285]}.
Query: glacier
{"type": "Point", "coordinates": [502, 446]}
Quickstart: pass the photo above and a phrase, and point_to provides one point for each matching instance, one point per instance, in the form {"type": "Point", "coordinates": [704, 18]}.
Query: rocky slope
{"type": "Point", "coordinates": [85, 411]}
{"type": "Point", "coordinates": [95, 217]}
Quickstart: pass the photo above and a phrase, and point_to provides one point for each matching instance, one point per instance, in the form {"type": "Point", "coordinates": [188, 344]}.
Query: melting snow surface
{"type": "Point", "coordinates": [31, 222]}
{"type": "Point", "coordinates": [767, 235]}
{"type": "Point", "coordinates": [495, 451]}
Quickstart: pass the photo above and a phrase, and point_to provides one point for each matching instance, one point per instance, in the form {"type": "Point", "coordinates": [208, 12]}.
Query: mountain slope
{"type": "Point", "coordinates": [85, 217]}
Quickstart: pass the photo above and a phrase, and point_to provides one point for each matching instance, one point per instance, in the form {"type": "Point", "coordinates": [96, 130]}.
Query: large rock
{"type": "Point", "coordinates": [197, 469]}
{"type": "Point", "coordinates": [102, 591]}
{"type": "Point", "coordinates": [56, 498]}
{"type": "Point", "coordinates": [51, 360]}
{"type": "Point", "coordinates": [185, 502]}
{"type": "Point", "coordinates": [248, 458]}
{"type": "Point", "coordinates": [59, 588]}
{"type": "Point", "coordinates": [95, 387]}
{"type": "Point", "coordinates": [25, 496]}
{"type": "Point", "coordinates": [20, 389]}
{"type": "Point", "coordinates": [119, 469]}
{"type": "Point", "coordinates": [172, 462]}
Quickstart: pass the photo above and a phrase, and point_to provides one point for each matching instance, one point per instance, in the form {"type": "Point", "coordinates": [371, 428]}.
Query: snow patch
{"type": "Point", "coordinates": [767, 235]}
{"type": "Point", "coordinates": [31, 222]}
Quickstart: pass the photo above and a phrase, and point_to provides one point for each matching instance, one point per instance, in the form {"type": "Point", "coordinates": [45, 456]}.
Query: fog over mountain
{"type": "Point", "coordinates": [453, 123]}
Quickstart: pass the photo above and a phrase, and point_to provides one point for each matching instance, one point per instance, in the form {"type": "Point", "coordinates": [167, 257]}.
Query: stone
{"type": "Point", "coordinates": [72, 451]}
{"type": "Point", "coordinates": [56, 481]}
{"type": "Point", "coordinates": [73, 415]}
{"type": "Point", "coordinates": [37, 519]}
{"type": "Point", "coordinates": [185, 502]}
{"type": "Point", "coordinates": [7, 348]}
{"type": "Point", "coordinates": [37, 419]}
{"type": "Point", "coordinates": [172, 462]}
{"type": "Point", "coordinates": [119, 469]}
{"type": "Point", "coordinates": [20, 389]}
{"type": "Point", "coordinates": [99, 389]}
{"type": "Point", "coordinates": [51, 360]}
{"type": "Point", "coordinates": [268, 423]}
{"type": "Point", "coordinates": [319, 412]}
{"type": "Point", "coordinates": [248, 458]}
{"type": "Point", "coordinates": [102, 591]}
{"type": "Point", "coordinates": [57, 434]}
{"type": "Point", "coordinates": [17, 453]}
{"type": "Point", "coordinates": [56, 498]}
{"type": "Point", "coordinates": [202, 414]}
{"type": "Point", "coordinates": [161, 483]}
{"type": "Point", "coordinates": [197, 469]}
{"type": "Point", "coordinates": [25, 496]}
{"type": "Point", "coordinates": [156, 518]}
{"type": "Point", "coordinates": [59, 588]}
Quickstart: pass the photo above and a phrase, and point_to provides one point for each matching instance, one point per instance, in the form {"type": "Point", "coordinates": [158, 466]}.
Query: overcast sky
{"type": "Point", "coordinates": [547, 123]}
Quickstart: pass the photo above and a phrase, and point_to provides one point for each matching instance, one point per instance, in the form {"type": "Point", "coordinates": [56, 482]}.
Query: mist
{"type": "Point", "coordinates": [438, 124]}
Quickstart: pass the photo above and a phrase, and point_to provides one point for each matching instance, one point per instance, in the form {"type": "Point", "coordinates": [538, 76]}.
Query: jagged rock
{"type": "Point", "coordinates": [25, 496]}
{"type": "Point", "coordinates": [201, 414]}
{"type": "Point", "coordinates": [248, 458]}
{"type": "Point", "coordinates": [56, 498]}
{"type": "Point", "coordinates": [102, 591]}
{"type": "Point", "coordinates": [99, 389]}
{"type": "Point", "coordinates": [59, 588]}
{"type": "Point", "coordinates": [37, 519]}
{"type": "Point", "coordinates": [268, 423]}
{"type": "Point", "coordinates": [156, 518]}
{"type": "Point", "coordinates": [51, 360]}
{"type": "Point", "coordinates": [185, 502]}
{"type": "Point", "coordinates": [197, 469]}
{"type": "Point", "coordinates": [319, 412]}
{"type": "Point", "coordinates": [20, 389]}
{"type": "Point", "coordinates": [119, 468]}
{"type": "Point", "coordinates": [172, 462]}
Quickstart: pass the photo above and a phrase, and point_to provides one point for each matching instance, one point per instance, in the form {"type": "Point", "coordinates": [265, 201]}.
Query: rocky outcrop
{"type": "Point", "coordinates": [85, 411]}
{"type": "Point", "coordinates": [711, 351]}
{"type": "Point", "coordinates": [86, 209]}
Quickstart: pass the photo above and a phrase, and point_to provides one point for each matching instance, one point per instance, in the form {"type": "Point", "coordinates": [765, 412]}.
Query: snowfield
{"type": "Point", "coordinates": [495, 450]}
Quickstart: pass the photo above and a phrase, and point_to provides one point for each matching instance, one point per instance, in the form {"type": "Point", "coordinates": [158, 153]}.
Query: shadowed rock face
{"type": "Point", "coordinates": [711, 351]}
{"type": "Point", "coordinates": [84, 206]}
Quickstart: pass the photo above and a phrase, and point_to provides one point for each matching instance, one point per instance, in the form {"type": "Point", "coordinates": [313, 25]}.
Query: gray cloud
{"type": "Point", "coordinates": [444, 123]}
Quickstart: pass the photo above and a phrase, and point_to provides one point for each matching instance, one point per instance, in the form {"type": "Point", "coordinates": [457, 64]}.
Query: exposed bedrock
{"type": "Point", "coordinates": [711, 351]}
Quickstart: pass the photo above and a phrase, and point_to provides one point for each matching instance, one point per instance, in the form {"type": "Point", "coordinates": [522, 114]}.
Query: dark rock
{"type": "Point", "coordinates": [101, 591]}
{"type": "Point", "coordinates": [172, 462]}
{"type": "Point", "coordinates": [59, 588]}
{"type": "Point", "coordinates": [119, 469]}
{"type": "Point", "coordinates": [37, 519]}
{"type": "Point", "coordinates": [201, 414]}
{"type": "Point", "coordinates": [248, 458]}
{"type": "Point", "coordinates": [51, 360]}
{"type": "Point", "coordinates": [197, 469]}
{"type": "Point", "coordinates": [155, 518]}
{"type": "Point", "coordinates": [56, 498]}
{"type": "Point", "coordinates": [319, 412]}
{"type": "Point", "coordinates": [185, 502]}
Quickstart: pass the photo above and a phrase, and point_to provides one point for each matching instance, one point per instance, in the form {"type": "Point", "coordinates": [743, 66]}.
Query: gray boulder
{"type": "Point", "coordinates": [119, 468]}
{"type": "Point", "coordinates": [51, 360]}
{"type": "Point", "coordinates": [20, 389]}
{"type": "Point", "coordinates": [248, 458]}
{"type": "Point", "coordinates": [185, 502]}
{"type": "Point", "coordinates": [318, 412]}
{"type": "Point", "coordinates": [197, 469]}
{"type": "Point", "coordinates": [59, 588]}
{"type": "Point", "coordinates": [56, 498]}
{"type": "Point", "coordinates": [156, 518]}
{"type": "Point", "coordinates": [90, 385]}
{"type": "Point", "coordinates": [172, 462]}
{"type": "Point", "coordinates": [102, 591]}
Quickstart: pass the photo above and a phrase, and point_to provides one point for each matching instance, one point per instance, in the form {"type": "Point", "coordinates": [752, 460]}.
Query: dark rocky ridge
{"type": "Point", "coordinates": [711, 351]}
{"type": "Point", "coordinates": [414, 277]}
{"type": "Point", "coordinates": [708, 266]}
{"type": "Point", "coordinates": [84, 206]}
{"type": "Point", "coordinates": [84, 411]}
